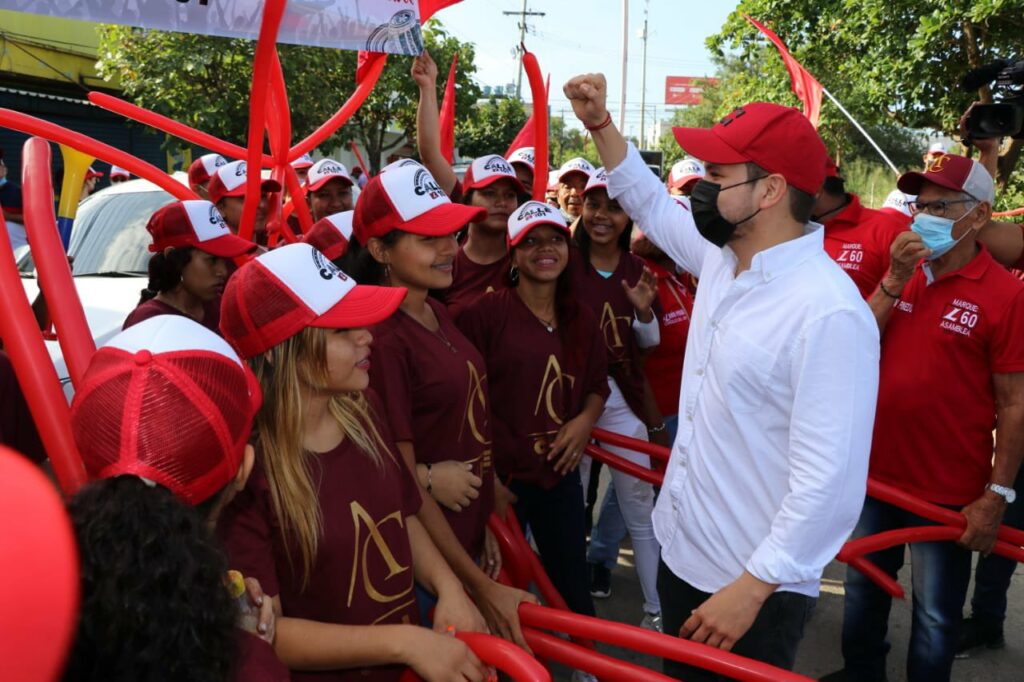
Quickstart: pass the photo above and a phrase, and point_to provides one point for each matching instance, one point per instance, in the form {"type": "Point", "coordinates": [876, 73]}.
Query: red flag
{"type": "Point", "coordinates": [447, 122]}
{"type": "Point", "coordinates": [430, 7]}
{"type": "Point", "coordinates": [526, 135]}
{"type": "Point", "coordinates": [805, 86]}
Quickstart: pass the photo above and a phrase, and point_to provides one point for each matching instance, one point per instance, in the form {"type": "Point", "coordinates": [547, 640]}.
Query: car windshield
{"type": "Point", "coordinates": [109, 235]}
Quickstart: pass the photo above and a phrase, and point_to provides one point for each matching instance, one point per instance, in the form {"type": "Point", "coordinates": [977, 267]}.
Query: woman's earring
{"type": "Point", "coordinates": [387, 271]}
{"type": "Point", "coordinates": [513, 275]}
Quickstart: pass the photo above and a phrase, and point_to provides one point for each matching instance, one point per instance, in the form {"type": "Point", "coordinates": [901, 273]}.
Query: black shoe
{"type": "Point", "coordinates": [979, 632]}
{"type": "Point", "coordinates": [600, 581]}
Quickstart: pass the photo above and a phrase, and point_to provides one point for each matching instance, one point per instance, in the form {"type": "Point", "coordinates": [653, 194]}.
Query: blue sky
{"type": "Point", "coordinates": [575, 37]}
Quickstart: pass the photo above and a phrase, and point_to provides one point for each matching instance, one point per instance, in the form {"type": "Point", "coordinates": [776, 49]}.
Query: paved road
{"type": "Point", "coordinates": [820, 650]}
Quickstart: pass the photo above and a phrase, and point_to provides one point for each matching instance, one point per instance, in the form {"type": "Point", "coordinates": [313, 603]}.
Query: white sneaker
{"type": "Point", "coordinates": [581, 676]}
{"type": "Point", "coordinates": [652, 621]}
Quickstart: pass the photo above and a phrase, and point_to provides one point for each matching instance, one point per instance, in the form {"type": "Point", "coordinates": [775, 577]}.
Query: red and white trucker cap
{"type": "Point", "coordinates": [952, 172]}
{"type": "Point", "coordinates": [229, 181]}
{"type": "Point", "coordinates": [169, 401]}
{"type": "Point", "coordinates": [898, 202]}
{"type": "Point", "coordinates": [304, 161]}
{"type": "Point", "coordinates": [524, 155]}
{"type": "Point", "coordinates": [203, 168]}
{"type": "Point", "coordinates": [553, 181]}
{"type": "Point", "coordinates": [331, 235]}
{"type": "Point", "coordinates": [92, 173]}
{"type": "Point", "coordinates": [275, 296]}
{"type": "Point", "coordinates": [197, 223]}
{"type": "Point", "coordinates": [530, 215]}
{"type": "Point", "coordinates": [682, 172]}
{"type": "Point", "coordinates": [118, 172]}
{"type": "Point", "coordinates": [408, 198]}
{"type": "Point", "coordinates": [577, 165]}
{"type": "Point", "coordinates": [487, 170]}
{"type": "Point", "coordinates": [599, 180]}
{"type": "Point", "coordinates": [325, 170]}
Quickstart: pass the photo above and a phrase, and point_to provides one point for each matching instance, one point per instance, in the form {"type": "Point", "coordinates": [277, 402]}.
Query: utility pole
{"type": "Point", "coordinates": [625, 62]}
{"type": "Point", "coordinates": [643, 84]}
{"type": "Point", "coordinates": [522, 38]}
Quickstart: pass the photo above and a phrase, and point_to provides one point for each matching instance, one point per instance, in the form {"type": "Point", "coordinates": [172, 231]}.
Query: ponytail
{"type": "Point", "coordinates": [165, 271]}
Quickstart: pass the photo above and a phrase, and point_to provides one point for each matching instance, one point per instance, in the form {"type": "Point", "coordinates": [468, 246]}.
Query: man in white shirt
{"type": "Point", "coordinates": [780, 378]}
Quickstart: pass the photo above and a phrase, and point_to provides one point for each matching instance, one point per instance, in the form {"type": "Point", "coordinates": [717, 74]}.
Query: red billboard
{"type": "Point", "coordinates": [686, 90]}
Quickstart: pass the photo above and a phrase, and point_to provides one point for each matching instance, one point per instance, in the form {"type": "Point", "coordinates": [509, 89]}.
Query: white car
{"type": "Point", "coordinates": [109, 244]}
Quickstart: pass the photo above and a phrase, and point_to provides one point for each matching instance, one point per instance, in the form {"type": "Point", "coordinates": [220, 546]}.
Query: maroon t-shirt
{"type": "Point", "coordinates": [434, 387]}
{"type": "Point", "coordinates": [153, 307]}
{"type": "Point", "coordinates": [615, 314]}
{"type": "Point", "coordinates": [363, 573]}
{"type": "Point", "coordinates": [538, 379]}
{"type": "Point", "coordinates": [471, 280]}
{"type": "Point", "coordinates": [17, 429]}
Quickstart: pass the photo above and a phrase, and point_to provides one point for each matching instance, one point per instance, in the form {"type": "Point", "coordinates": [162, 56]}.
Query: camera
{"type": "Point", "coordinates": [1006, 116]}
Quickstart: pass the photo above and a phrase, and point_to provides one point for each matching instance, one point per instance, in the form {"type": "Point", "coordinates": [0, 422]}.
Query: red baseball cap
{"type": "Point", "coordinates": [203, 168]}
{"type": "Point", "coordinates": [118, 172]}
{"type": "Point", "coordinates": [197, 223]}
{"type": "Point", "coordinates": [957, 173]}
{"type": "Point", "coordinates": [778, 139]}
{"type": "Point", "coordinates": [487, 170]}
{"type": "Point", "coordinates": [278, 294]}
{"type": "Point", "coordinates": [331, 235]}
{"type": "Point", "coordinates": [530, 215]}
{"type": "Point", "coordinates": [408, 198]}
{"type": "Point", "coordinates": [92, 173]}
{"type": "Point", "coordinates": [169, 401]}
{"type": "Point", "coordinates": [229, 181]}
{"type": "Point", "coordinates": [325, 170]}
{"type": "Point", "coordinates": [39, 565]}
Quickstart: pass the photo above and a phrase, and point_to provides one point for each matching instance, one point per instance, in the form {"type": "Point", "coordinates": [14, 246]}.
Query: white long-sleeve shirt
{"type": "Point", "coordinates": [780, 380]}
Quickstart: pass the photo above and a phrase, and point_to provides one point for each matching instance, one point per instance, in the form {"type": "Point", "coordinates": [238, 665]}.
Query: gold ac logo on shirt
{"type": "Point", "coordinates": [476, 405]}
{"type": "Point", "coordinates": [609, 322]}
{"type": "Point", "coordinates": [553, 377]}
{"type": "Point", "coordinates": [361, 517]}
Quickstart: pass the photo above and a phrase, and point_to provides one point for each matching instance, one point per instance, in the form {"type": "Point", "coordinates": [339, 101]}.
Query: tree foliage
{"type": "Point", "coordinates": [568, 143]}
{"type": "Point", "coordinates": [204, 81]}
{"type": "Point", "coordinates": [491, 129]}
{"type": "Point", "coordinates": [895, 64]}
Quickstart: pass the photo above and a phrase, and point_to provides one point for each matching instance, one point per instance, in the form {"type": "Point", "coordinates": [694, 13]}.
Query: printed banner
{"type": "Point", "coordinates": [373, 25]}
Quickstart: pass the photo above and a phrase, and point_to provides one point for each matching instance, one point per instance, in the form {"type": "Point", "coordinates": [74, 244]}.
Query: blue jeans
{"type": "Point", "coordinates": [610, 530]}
{"type": "Point", "coordinates": [993, 573]}
{"type": "Point", "coordinates": [941, 573]}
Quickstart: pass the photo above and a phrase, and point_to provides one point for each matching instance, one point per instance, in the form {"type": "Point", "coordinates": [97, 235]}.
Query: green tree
{"type": "Point", "coordinates": [491, 128]}
{"type": "Point", "coordinates": [204, 81]}
{"type": "Point", "coordinates": [895, 64]}
{"type": "Point", "coordinates": [568, 143]}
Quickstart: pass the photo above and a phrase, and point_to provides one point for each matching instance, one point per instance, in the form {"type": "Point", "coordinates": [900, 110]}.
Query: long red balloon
{"type": "Point", "coordinates": [36, 375]}
{"type": "Point", "coordinates": [634, 444]}
{"type": "Point", "coordinates": [605, 668]}
{"type": "Point", "coordinates": [298, 201]}
{"type": "Point", "coordinates": [262, 64]}
{"type": "Point", "coordinates": [513, 558]}
{"type": "Point", "coordinates": [623, 464]}
{"type": "Point", "coordinates": [48, 253]}
{"type": "Point", "coordinates": [505, 656]}
{"type": "Point", "coordinates": [170, 126]}
{"type": "Point", "coordinates": [375, 67]}
{"type": "Point", "coordinates": [30, 125]}
{"type": "Point", "coordinates": [540, 122]}
{"type": "Point", "coordinates": [654, 643]}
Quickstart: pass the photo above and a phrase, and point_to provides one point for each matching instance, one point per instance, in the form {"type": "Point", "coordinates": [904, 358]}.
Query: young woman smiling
{"type": "Point", "coordinates": [327, 522]}
{"type": "Point", "coordinates": [433, 380]}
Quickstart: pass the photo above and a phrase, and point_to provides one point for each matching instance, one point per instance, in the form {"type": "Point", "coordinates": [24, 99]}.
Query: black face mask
{"type": "Point", "coordinates": [711, 224]}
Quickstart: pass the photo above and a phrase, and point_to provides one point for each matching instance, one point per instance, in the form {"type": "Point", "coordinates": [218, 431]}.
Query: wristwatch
{"type": "Point", "coordinates": [1008, 494]}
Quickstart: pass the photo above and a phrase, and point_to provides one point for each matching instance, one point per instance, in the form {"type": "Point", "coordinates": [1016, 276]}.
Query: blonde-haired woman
{"type": "Point", "coordinates": [327, 522]}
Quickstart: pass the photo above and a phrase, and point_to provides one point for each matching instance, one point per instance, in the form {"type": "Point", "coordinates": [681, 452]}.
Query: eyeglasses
{"type": "Point", "coordinates": [937, 208]}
